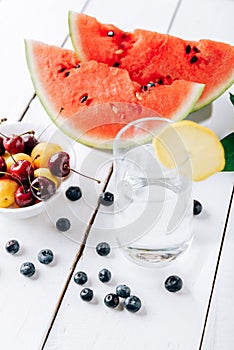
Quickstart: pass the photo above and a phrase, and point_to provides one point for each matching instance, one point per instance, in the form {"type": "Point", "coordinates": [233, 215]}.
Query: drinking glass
{"type": "Point", "coordinates": [153, 206]}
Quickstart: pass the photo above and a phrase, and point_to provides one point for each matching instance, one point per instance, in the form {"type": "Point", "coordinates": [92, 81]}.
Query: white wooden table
{"type": "Point", "coordinates": [46, 312]}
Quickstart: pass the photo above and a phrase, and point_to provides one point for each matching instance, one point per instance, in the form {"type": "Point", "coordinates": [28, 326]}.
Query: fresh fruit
{"type": "Point", "coordinates": [173, 283]}
{"type": "Point", "coordinates": [2, 148]}
{"type": "Point", "coordinates": [73, 193]}
{"type": "Point", "coordinates": [104, 275]}
{"type": "Point", "coordinates": [3, 167]}
{"type": "Point", "coordinates": [13, 159]}
{"type": "Point", "coordinates": [103, 248]}
{"type": "Point", "coordinates": [111, 300]}
{"type": "Point", "coordinates": [45, 256]}
{"type": "Point", "coordinates": [22, 171]}
{"type": "Point", "coordinates": [154, 57]}
{"type": "Point", "coordinates": [197, 207]}
{"type": "Point", "coordinates": [123, 291]}
{"type": "Point", "coordinates": [42, 152]}
{"type": "Point", "coordinates": [90, 107]}
{"type": "Point", "coordinates": [24, 197]}
{"type": "Point", "coordinates": [59, 165]}
{"type": "Point", "coordinates": [27, 269]}
{"type": "Point", "coordinates": [203, 147]}
{"type": "Point", "coordinates": [106, 198]}
{"type": "Point", "coordinates": [43, 188]}
{"type": "Point", "coordinates": [86, 294]}
{"type": "Point", "coordinates": [13, 144]}
{"type": "Point", "coordinates": [63, 224]}
{"type": "Point", "coordinates": [30, 142]}
{"type": "Point", "coordinates": [132, 303]}
{"type": "Point", "coordinates": [12, 246]}
{"type": "Point", "coordinates": [8, 188]}
{"type": "Point", "coordinates": [80, 277]}
{"type": "Point", "coordinates": [47, 173]}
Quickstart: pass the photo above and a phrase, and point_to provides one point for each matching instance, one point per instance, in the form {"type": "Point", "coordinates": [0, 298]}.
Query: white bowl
{"type": "Point", "coordinates": [49, 134]}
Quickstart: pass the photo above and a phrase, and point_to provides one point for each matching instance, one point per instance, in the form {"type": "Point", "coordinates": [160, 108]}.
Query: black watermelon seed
{"type": "Point", "coordinates": [84, 98]}
{"type": "Point", "coordinates": [77, 66]}
{"type": "Point", "coordinates": [66, 74]}
{"type": "Point", "coordinates": [62, 70]}
{"type": "Point", "coordinates": [110, 33]}
{"type": "Point", "coordinates": [116, 64]}
{"type": "Point", "coordinates": [195, 49]}
{"type": "Point", "coordinates": [193, 59]}
{"type": "Point", "coordinates": [188, 49]}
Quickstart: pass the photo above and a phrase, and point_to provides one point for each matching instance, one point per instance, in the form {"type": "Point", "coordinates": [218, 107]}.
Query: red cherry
{"type": "Point", "coordinates": [22, 171]}
{"type": "Point", "coordinates": [30, 142]}
{"type": "Point", "coordinates": [2, 148]}
{"type": "Point", "coordinates": [3, 166]}
{"type": "Point", "coordinates": [24, 197]}
{"type": "Point", "coordinates": [14, 144]}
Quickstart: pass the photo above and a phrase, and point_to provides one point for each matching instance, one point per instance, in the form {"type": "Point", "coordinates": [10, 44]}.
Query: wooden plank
{"type": "Point", "coordinates": [45, 21]}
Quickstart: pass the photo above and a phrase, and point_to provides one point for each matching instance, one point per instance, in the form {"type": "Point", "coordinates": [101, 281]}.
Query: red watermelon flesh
{"type": "Point", "coordinates": [151, 56]}
{"type": "Point", "coordinates": [73, 94]}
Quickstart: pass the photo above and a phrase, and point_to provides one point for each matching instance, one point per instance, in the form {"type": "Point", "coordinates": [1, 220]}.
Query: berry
{"type": "Point", "coordinates": [43, 188]}
{"type": "Point", "coordinates": [14, 144]}
{"type": "Point", "coordinates": [104, 275]}
{"type": "Point", "coordinates": [86, 294]}
{"type": "Point", "coordinates": [27, 269]}
{"type": "Point", "coordinates": [103, 248]}
{"type": "Point", "coordinates": [73, 193]}
{"type": "Point", "coordinates": [132, 303]}
{"type": "Point", "coordinates": [173, 284]}
{"type": "Point", "coordinates": [45, 256]}
{"type": "Point", "coordinates": [3, 166]}
{"type": "Point", "coordinates": [22, 171]}
{"type": "Point", "coordinates": [59, 164]}
{"type": "Point", "coordinates": [106, 198]}
{"type": "Point", "coordinates": [80, 277]}
{"type": "Point", "coordinates": [24, 197]}
{"type": "Point", "coordinates": [12, 246]}
{"type": "Point", "coordinates": [197, 207]}
{"type": "Point", "coordinates": [111, 300]}
{"type": "Point", "coordinates": [29, 143]}
{"type": "Point", "coordinates": [63, 224]}
{"type": "Point", "coordinates": [123, 291]}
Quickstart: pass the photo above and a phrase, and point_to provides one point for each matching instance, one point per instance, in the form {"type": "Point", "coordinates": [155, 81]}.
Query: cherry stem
{"type": "Point", "coordinates": [14, 178]}
{"type": "Point", "coordinates": [12, 158]}
{"type": "Point", "coordinates": [47, 127]}
{"type": "Point", "coordinates": [31, 132]}
{"type": "Point", "coordinates": [3, 120]}
{"type": "Point", "coordinates": [88, 177]}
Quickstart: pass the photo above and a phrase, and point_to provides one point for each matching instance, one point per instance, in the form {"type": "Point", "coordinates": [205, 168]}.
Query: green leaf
{"type": "Point", "coordinates": [228, 145]}
{"type": "Point", "coordinates": [231, 98]}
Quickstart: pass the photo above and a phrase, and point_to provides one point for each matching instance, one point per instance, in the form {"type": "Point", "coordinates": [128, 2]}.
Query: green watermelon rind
{"type": "Point", "coordinates": [74, 37]}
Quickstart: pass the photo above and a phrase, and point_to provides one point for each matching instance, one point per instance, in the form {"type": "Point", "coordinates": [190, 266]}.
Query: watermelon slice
{"type": "Point", "coordinates": [82, 97]}
{"type": "Point", "coordinates": [150, 56]}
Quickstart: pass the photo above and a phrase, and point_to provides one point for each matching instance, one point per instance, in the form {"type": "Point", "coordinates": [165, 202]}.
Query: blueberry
{"type": "Point", "coordinates": [63, 224]}
{"type": "Point", "coordinates": [123, 291]}
{"type": "Point", "coordinates": [111, 300]}
{"type": "Point", "coordinates": [73, 193]}
{"type": "Point", "coordinates": [104, 275]}
{"type": "Point", "coordinates": [103, 249]}
{"type": "Point", "coordinates": [12, 246]}
{"type": "Point", "coordinates": [197, 207]}
{"type": "Point", "coordinates": [106, 198]}
{"type": "Point", "coordinates": [80, 277]}
{"type": "Point", "coordinates": [27, 269]}
{"type": "Point", "coordinates": [132, 303]}
{"type": "Point", "coordinates": [45, 256]}
{"type": "Point", "coordinates": [173, 284]}
{"type": "Point", "coordinates": [86, 294]}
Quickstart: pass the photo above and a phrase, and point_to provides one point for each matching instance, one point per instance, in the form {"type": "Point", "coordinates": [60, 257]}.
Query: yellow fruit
{"type": "Point", "coordinates": [46, 172]}
{"type": "Point", "coordinates": [42, 152]}
{"type": "Point", "coordinates": [7, 192]}
{"type": "Point", "coordinates": [199, 143]}
{"type": "Point", "coordinates": [18, 156]}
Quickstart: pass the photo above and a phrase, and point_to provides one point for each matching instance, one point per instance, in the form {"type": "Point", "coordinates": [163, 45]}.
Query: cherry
{"type": "Point", "coordinates": [43, 188]}
{"type": "Point", "coordinates": [3, 166]}
{"type": "Point", "coordinates": [2, 148]}
{"type": "Point", "coordinates": [22, 171]}
{"type": "Point", "coordinates": [24, 197]}
{"type": "Point", "coordinates": [30, 142]}
{"type": "Point", "coordinates": [14, 144]}
{"type": "Point", "coordinates": [59, 165]}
